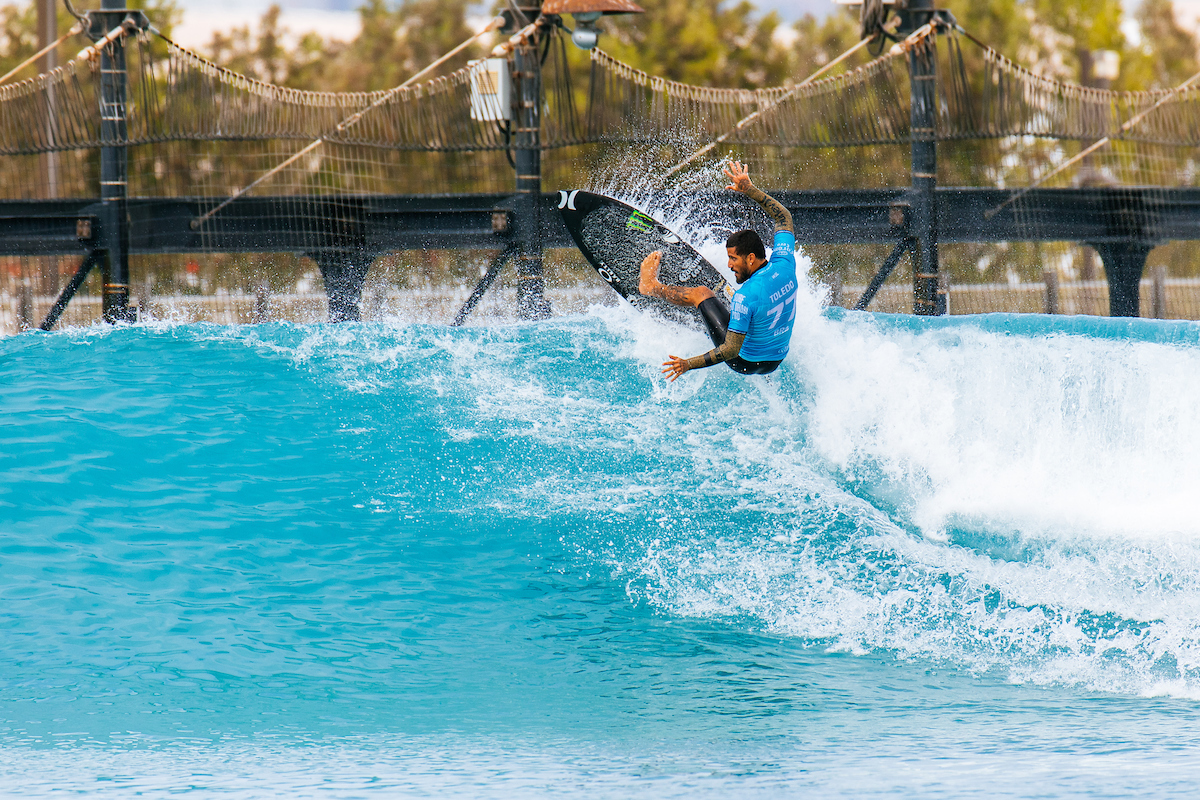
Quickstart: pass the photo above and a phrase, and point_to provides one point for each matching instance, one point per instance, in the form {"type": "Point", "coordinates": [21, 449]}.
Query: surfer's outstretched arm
{"type": "Point", "coordinates": [729, 349]}
{"type": "Point", "coordinates": [740, 182]}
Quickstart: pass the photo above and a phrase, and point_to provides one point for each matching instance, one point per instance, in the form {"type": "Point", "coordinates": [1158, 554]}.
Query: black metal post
{"type": "Point", "coordinates": [527, 144]}
{"type": "Point", "coordinates": [60, 305]}
{"type": "Point", "coordinates": [922, 66]}
{"type": "Point", "coordinates": [902, 247]}
{"type": "Point", "coordinates": [47, 24]}
{"type": "Point", "coordinates": [484, 284]}
{"type": "Point", "coordinates": [114, 165]}
{"type": "Point", "coordinates": [344, 272]}
{"type": "Point", "coordinates": [1123, 266]}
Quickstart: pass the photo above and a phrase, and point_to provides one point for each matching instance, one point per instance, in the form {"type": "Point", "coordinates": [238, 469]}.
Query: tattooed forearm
{"type": "Point", "coordinates": [775, 210]}
{"type": "Point", "coordinates": [729, 349]}
{"type": "Point", "coordinates": [678, 295]}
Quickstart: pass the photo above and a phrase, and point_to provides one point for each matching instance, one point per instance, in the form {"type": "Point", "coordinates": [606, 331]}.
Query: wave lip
{"type": "Point", "coordinates": [1040, 432]}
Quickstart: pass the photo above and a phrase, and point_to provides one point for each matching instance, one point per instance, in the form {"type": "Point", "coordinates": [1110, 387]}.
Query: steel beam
{"type": "Point", "coordinates": [488, 221]}
{"type": "Point", "coordinates": [51, 233]}
{"type": "Point", "coordinates": [1123, 223]}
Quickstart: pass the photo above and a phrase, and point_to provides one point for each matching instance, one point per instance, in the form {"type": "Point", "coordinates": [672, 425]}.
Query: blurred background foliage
{"type": "Point", "coordinates": [704, 42]}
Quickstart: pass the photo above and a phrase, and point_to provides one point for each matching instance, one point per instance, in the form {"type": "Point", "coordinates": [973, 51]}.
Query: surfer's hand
{"type": "Point", "coordinates": [739, 177]}
{"type": "Point", "coordinates": [675, 367]}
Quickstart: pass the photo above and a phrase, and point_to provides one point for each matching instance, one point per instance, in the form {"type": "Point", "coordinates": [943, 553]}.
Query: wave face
{"type": "Point", "coordinates": [512, 561]}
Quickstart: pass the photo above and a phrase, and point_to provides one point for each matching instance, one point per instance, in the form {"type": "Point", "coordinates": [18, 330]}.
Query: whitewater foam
{"type": "Point", "coordinates": [943, 490]}
{"type": "Point", "coordinates": [963, 428]}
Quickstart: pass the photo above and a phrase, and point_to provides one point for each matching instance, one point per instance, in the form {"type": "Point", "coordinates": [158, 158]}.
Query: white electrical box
{"type": "Point", "coordinates": [491, 89]}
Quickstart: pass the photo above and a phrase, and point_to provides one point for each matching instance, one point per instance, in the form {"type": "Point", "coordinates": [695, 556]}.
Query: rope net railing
{"type": "Point", "coordinates": [1014, 101]}
{"type": "Point", "coordinates": [869, 105]}
{"type": "Point", "coordinates": [863, 106]}
{"type": "Point", "coordinates": [176, 94]}
{"type": "Point", "coordinates": [57, 110]}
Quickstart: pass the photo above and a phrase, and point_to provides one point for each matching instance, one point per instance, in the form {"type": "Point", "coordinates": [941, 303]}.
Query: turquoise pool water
{"type": "Point", "coordinates": [948, 558]}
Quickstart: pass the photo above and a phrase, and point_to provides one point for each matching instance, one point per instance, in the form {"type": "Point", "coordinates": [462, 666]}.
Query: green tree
{"type": "Point", "coordinates": [702, 42]}
{"type": "Point", "coordinates": [261, 53]}
{"type": "Point", "coordinates": [1002, 24]}
{"type": "Point", "coordinates": [819, 42]}
{"type": "Point", "coordinates": [397, 42]}
{"type": "Point", "coordinates": [1167, 54]}
{"type": "Point", "coordinates": [393, 44]}
{"type": "Point", "coordinates": [19, 38]}
{"type": "Point", "coordinates": [1091, 24]}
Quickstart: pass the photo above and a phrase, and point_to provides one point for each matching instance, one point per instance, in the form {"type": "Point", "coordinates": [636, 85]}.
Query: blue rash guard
{"type": "Point", "coordinates": [764, 308]}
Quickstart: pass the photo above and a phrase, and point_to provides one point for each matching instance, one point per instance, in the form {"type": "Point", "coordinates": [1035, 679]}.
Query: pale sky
{"type": "Point", "coordinates": [1187, 11]}
{"type": "Point", "coordinates": [337, 19]}
{"type": "Point", "coordinates": [332, 19]}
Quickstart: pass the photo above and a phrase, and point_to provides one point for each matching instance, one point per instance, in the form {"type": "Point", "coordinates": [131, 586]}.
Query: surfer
{"type": "Point", "coordinates": [754, 338]}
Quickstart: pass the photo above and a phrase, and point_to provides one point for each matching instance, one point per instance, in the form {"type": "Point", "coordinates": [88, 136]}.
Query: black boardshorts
{"type": "Point", "coordinates": [716, 319]}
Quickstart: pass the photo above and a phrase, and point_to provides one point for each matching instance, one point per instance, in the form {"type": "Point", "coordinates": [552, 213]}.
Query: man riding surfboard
{"type": "Point", "coordinates": [752, 336]}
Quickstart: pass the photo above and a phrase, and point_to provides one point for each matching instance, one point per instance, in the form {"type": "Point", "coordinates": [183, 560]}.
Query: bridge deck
{"type": "Point", "coordinates": [487, 221]}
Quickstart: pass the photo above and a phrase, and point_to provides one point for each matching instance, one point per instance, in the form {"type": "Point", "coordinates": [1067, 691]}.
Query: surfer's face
{"type": "Point", "coordinates": [743, 267]}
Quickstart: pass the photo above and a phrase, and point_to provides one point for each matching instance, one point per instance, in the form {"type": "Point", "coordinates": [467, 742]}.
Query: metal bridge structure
{"type": "Point", "coordinates": [905, 99]}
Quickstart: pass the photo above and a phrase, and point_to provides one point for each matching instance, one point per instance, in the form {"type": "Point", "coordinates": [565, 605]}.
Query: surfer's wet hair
{"type": "Point", "coordinates": [746, 242]}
